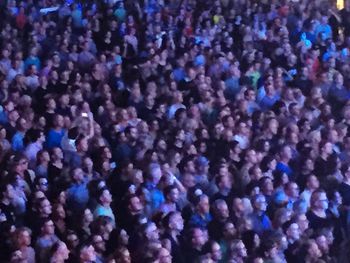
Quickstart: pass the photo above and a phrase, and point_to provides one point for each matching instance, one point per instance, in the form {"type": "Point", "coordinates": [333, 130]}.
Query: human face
{"type": "Point", "coordinates": [216, 252]}
{"type": "Point", "coordinates": [313, 182]}
{"type": "Point", "coordinates": [223, 211]}
{"type": "Point", "coordinates": [328, 149]}
{"type": "Point", "coordinates": [63, 251]}
{"type": "Point", "coordinates": [294, 190]}
{"type": "Point", "coordinates": [45, 207]}
{"type": "Point", "coordinates": [241, 250]}
{"type": "Point", "coordinates": [99, 244]}
{"type": "Point", "coordinates": [261, 203]}
{"type": "Point", "coordinates": [88, 217]}
{"type": "Point", "coordinates": [314, 250]}
{"type": "Point", "coordinates": [164, 256]}
{"type": "Point", "coordinates": [106, 197]}
{"type": "Point", "coordinates": [78, 174]}
{"type": "Point", "coordinates": [203, 205]}
{"type": "Point", "coordinates": [198, 238]}
{"type": "Point", "coordinates": [303, 223]}
{"type": "Point", "coordinates": [322, 201]}
{"type": "Point", "coordinates": [25, 238]}
{"type": "Point", "coordinates": [177, 222]}
{"type": "Point", "coordinates": [49, 228]}
{"type": "Point", "coordinates": [152, 232]}
{"type": "Point", "coordinates": [174, 195]}
{"type": "Point", "coordinates": [88, 254]}
{"type": "Point", "coordinates": [293, 231]}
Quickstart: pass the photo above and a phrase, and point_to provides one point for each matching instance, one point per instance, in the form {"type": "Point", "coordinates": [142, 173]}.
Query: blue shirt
{"type": "Point", "coordinates": [54, 138]}
{"type": "Point", "coordinates": [261, 223]}
{"type": "Point", "coordinates": [32, 61]}
{"type": "Point", "coordinates": [284, 169]}
{"type": "Point", "coordinates": [267, 102]}
{"type": "Point", "coordinates": [197, 220]}
{"type": "Point", "coordinates": [78, 197]}
{"type": "Point", "coordinates": [17, 141]}
{"type": "Point", "coordinates": [155, 197]}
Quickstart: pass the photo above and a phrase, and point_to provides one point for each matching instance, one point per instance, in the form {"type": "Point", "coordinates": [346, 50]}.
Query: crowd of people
{"type": "Point", "coordinates": [174, 131]}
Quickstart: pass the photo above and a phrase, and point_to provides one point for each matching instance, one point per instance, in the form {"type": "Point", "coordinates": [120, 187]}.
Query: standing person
{"type": "Point", "coordinates": [56, 133]}
{"type": "Point", "coordinates": [46, 240]}
{"type": "Point", "coordinates": [261, 222]}
{"type": "Point", "coordinates": [318, 215]}
{"type": "Point", "coordinates": [22, 241]}
{"type": "Point", "coordinates": [174, 226]}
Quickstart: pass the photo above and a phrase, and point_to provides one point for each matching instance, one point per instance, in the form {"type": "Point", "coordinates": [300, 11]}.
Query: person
{"type": "Point", "coordinates": [104, 205]}
{"type": "Point", "coordinates": [318, 215]}
{"type": "Point", "coordinates": [46, 241]}
{"type": "Point", "coordinates": [174, 226]}
{"type": "Point", "coordinates": [59, 252]}
{"type": "Point", "coordinates": [261, 221]}
{"type": "Point", "coordinates": [136, 126]}
{"type": "Point", "coordinates": [22, 240]}
{"type": "Point", "coordinates": [77, 193]}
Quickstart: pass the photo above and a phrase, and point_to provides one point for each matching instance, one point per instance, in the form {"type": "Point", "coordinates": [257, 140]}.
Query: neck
{"type": "Point", "coordinates": [319, 212]}
{"type": "Point", "coordinates": [324, 155]}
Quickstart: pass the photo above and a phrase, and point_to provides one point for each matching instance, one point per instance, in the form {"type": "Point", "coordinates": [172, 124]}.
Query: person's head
{"type": "Point", "coordinates": [292, 230]}
{"type": "Point", "coordinates": [43, 156]}
{"type": "Point", "coordinates": [302, 222]}
{"type": "Point", "coordinates": [87, 217]}
{"type": "Point", "coordinates": [8, 192]}
{"type": "Point", "coordinates": [259, 203]}
{"type": "Point", "coordinates": [311, 250]}
{"type": "Point", "coordinates": [134, 204]}
{"type": "Point", "coordinates": [292, 190]}
{"type": "Point", "coordinates": [197, 237]}
{"type": "Point", "coordinates": [87, 253]}
{"type": "Point", "coordinates": [174, 222]}
{"type": "Point", "coordinates": [58, 121]}
{"type": "Point", "coordinates": [77, 175]}
{"type": "Point", "coordinates": [319, 200]}
{"type": "Point", "coordinates": [285, 152]}
{"type": "Point", "coordinates": [155, 173]}
{"type": "Point", "coordinates": [221, 209]}
{"type": "Point", "coordinates": [326, 147]}
{"type": "Point", "coordinates": [312, 182]}
{"type": "Point", "coordinates": [59, 252]}
{"type": "Point", "coordinates": [72, 240]}
{"type": "Point", "coordinates": [98, 243]}
{"type": "Point", "coordinates": [105, 197]}
{"type": "Point", "coordinates": [237, 205]}
{"type": "Point", "coordinates": [82, 144]}
{"type": "Point", "coordinates": [151, 232]}
{"type": "Point", "coordinates": [238, 249]}
{"type": "Point", "coordinates": [171, 194]}
{"type": "Point", "coordinates": [322, 243]}
{"type": "Point", "coordinates": [58, 212]}
{"type": "Point", "coordinates": [48, 227]}
{"type": "Point", "coordinates": [44, 207]}
{"type": "Point", "coordinates": [123, 255]}
{"type": "Point", "coordinates": [164, 256]}
{"type": "Point", "coordinates": [251, 240]}
{"type": "Point", "coordinates": [22, 237]}
{"type": "Point", "coordinates": [202, 204]}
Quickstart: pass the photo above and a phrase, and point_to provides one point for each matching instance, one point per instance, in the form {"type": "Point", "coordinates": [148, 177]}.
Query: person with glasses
{"type": "Point", "coordinates": [261, 222]}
